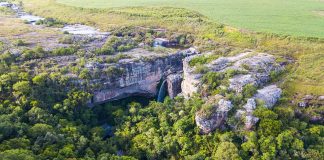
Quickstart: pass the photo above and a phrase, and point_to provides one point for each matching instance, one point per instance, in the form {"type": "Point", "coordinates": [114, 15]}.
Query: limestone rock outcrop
{"type": "Point", "coordinates": [255, 69]}
{"type": "Point", "coordinates": [251, 69]}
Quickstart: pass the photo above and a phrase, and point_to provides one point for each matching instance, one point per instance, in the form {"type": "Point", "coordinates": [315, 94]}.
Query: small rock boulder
{"type": "Point", "coordinates": [250, 105]}
{"type": "Point", "coordinates": [269, 95]}
{"type": "Point", "coordinates": [250, 122]}
{"type": "Point", "coordinates": [321, 98]}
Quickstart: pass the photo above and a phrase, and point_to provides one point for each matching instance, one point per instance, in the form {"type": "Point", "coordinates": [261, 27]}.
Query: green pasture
{"type": "Point", "coordinates": [292, 17]}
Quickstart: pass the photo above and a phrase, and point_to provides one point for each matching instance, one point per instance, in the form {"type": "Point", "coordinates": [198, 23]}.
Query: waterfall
{"type": "Point", "coordinates": [162, 92]}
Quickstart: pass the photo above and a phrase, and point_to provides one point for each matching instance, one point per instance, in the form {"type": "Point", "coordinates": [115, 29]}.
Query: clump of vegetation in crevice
{"type": "Point", "coordinates": [113, 71]}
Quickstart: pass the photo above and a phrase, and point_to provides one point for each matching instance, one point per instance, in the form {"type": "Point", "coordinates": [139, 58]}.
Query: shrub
{"type": "Point", "coordinates": [201, 69]}
{"type": "Point", "coordinates": [123, 48]}
{"type": "Point", "coordinates": [249, 90]}
{"type": "Point", "coordinates": [7, 57]}
{"type": "Point", "coordinates": [84, 74]}
{"type": "Point", "coordinates": [212, 79]}
{"type": "Point", "coordinates": [113, 71]}
{"type": "Point", "coordinates": [105, 51]}
{"type": "Point", "coordinates": [66, 40]}
{"type": "Point", "coordinates": [50, 22]}
{"type": "Point", "coordinates": [274, 75]}
{"type": "Point", "coordinates": [28, 55]}
{"type": "Point", "coordinates": [63, 51]}
{"type": "Point", "coordinates": [114, 44]}
{"type": "Point", "coordinates": [20, 42]}
{"type": "Point", "coordinates": [200, 60]}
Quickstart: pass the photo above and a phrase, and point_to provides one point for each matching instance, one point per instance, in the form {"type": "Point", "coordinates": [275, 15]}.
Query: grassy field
{"type": "Point", "coordinates": [305, 77]}
{"type": "Point", "coordinates": [293, 17]}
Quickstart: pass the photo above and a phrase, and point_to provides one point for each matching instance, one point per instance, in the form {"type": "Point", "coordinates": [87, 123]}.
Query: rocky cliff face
{"type": "Point", "coordinates": [191, 80]}
{"type": "Point", "coordinates": [138, 77]}
{"type": "Point", "coordinates": [174, 84]}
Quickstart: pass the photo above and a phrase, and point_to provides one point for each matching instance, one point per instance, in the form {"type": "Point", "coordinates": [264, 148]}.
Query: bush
{"type": "Point", "coordinates": [63, 51]}
{"type": "Point", "coordinates": [84, 74]}
{"type": "Point", "coordinates": [274, 75]}
{"type": "Point", "coordinates": [249, 90]}
{"type": "Point", "coordinates": [7, 58]}
{"type": "Point", "coordinates": [113, 71]}
{"type": "Point", "coordinates": [28, 55]}
{"type": "Point", "coordinates": [20, 42]}
{"type": "Point", "coordinates": [201, 69]}
{"type": "Point", "coordinates": [105, 51]}
{"type": "Point", "coordinates": [114, 44]}
{"type": "Point", "coordinates": [200, 60]}
{"type": "Point", "coordinates": [50, 22]}
{"type": "Point", "coordinates": [212, 79]}
{"type": "Point", "coordinates": [123, 48]}
{"type": "Point", "coordinates": [66, 40]}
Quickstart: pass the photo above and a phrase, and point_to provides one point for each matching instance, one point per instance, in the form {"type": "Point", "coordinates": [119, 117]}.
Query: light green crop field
{"type": "Point", "coordinates": [291, 17]}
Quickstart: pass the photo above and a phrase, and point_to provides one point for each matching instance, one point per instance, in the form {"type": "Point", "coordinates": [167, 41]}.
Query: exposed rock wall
{"type": "Point", "coordinates": [191, 80]}
{"type": "Point", "coordinates": [174, 84]}
{"type": "Point", "coordinates": [138, 77]}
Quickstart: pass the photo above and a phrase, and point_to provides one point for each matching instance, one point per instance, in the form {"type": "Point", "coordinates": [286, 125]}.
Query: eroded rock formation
{"type": "Point", "coordinates": [139, 77]}
{"type": "Point", "coordinates": [253, 69]}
